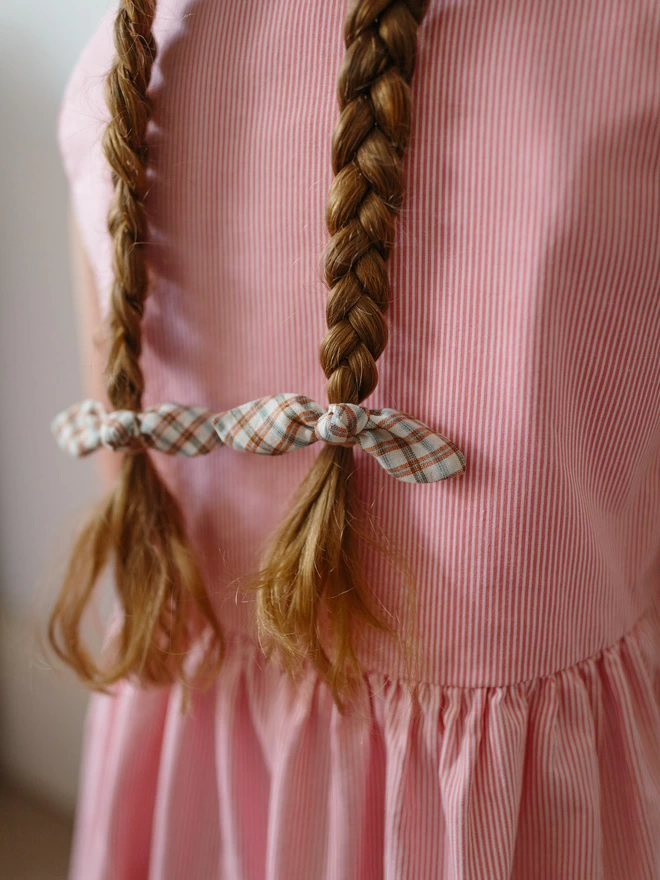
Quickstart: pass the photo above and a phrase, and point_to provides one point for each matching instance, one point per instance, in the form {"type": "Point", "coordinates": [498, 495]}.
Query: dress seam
{"type": "Point", "coordinates": [245, 641]}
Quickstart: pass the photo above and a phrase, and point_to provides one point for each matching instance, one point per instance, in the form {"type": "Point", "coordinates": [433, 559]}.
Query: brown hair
{"type": "Point", "coordinates": [140, 524]}
{"type": "Point", "coordinates": [313, 566]}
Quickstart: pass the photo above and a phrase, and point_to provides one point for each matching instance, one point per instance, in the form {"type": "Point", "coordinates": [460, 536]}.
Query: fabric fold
{"type": "Point", "coordinates": [550, 778]}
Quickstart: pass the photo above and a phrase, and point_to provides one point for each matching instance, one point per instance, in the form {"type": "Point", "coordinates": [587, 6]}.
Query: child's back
{"type": "Point", "coordinates": [525, 325]}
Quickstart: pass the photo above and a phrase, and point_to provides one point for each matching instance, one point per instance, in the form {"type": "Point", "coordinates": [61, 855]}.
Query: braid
{"type": "Point", "coordinates": [140, 524]}
{"type": "Point", "coordinates": [125, 150]}
{"type": "Point", "coordinates": [312, 564]}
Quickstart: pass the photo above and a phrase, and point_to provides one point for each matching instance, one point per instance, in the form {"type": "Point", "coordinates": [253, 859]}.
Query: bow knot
{"type": "Point", "coordinates": [342, 424]}
{"type": "Point", "coordinates": [121, 430]}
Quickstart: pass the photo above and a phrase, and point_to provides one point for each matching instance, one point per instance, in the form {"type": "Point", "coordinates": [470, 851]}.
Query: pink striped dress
{"type": "Point", "coordinates": [525, 326]}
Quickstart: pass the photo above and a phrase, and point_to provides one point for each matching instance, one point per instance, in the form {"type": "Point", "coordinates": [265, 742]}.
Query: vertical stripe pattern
{"type": "Point", "coordinates": [525, 325]}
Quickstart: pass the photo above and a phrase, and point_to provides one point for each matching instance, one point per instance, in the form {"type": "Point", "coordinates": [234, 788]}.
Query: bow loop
{"type": "Point", "coordinates": [270, 425]}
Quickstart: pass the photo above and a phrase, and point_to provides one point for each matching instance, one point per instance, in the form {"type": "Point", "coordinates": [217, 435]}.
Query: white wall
{"type": "Point", "coordinates": [41, 491]}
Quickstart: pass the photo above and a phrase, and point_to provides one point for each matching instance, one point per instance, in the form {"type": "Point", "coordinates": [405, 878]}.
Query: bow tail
{"type": "Point", "coordinates": [427, 460]}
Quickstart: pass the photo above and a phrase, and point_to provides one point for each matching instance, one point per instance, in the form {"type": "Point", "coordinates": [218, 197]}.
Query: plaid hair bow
{"type": "Point", "coordinates": [404, 447]}
{"type": "Point", "coordinates": [407, 449]}
{"type": "Point", "coordinates": [170, 428]}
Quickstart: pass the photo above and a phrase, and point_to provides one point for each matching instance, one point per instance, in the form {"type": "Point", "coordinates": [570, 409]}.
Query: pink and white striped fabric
{"type": "Point", "coordinates": [525, 322]}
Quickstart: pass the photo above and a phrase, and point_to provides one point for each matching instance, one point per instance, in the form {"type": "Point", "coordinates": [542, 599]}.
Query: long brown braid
{"type": "Point", "coordinates": [140, 524]}
{"type": "Point", "coordinates": [312, 567]}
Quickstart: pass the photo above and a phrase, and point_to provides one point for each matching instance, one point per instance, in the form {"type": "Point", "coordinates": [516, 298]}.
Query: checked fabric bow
{"type": "Point", "coordinates": [407, 449]}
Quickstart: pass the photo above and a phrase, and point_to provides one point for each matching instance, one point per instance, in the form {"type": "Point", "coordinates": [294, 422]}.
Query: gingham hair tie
{"type": "Point", "coordinates": [407, 449]}
{"type": "Point", "coordinates": [170, 428]}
